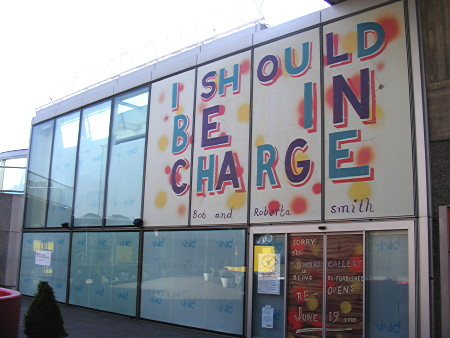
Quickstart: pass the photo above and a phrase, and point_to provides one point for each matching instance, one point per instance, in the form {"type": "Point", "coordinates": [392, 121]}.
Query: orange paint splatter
{"type": "Point", "coordinates": [181, 211]}
{"type": "Point", "coordinates": [381, 66]}
{"type": "Point", "coordinates": [245, 66]}
{"type": "Point", "coordinates": [356, 263]}
{"type": "Point", "coordinates": [364, 156]}
{"type": "Point", "coordinates": [293, 323]}
{"type": "Point", "coordinates": [301, 113]}
{"type": "Point", "coordinates": [317, 188]}
{"type": "Point", "coordinates": [329, 97]}
{"type": "Point", "coordinates": [177, 178]}
{"type": "Point", "coordinates": [201, 106]}
{"type": "Point", "coordinates": [391, 27]}
{"type": "Point", "coordinates": [299, 205]}
{"type": "Point", "coordinates": [355, 84]}
{"type": "Point", "coordinates": [274, 205]}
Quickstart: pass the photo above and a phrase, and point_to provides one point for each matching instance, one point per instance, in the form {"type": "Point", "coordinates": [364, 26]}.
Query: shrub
{"type": "Point", "coordinates": [43, 318]}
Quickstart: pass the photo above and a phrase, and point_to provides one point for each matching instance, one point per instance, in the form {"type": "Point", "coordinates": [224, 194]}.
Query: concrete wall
{"type": "Point", "coordinates": [435, 26]}
{"type": "Point", "coordinates": [11, 215]}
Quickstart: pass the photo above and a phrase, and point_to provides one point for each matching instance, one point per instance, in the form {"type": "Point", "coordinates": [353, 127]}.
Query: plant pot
{"type": "Point", "coordinates": [208, 276]}
{"type": "Point", "coordinates": [227, 282]}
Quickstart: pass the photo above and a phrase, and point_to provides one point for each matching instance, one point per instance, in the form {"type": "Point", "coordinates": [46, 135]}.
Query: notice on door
{"type": "Point", "coordinates": [344, 285]}
{"type": "Point", "coordinates": [305, 279]}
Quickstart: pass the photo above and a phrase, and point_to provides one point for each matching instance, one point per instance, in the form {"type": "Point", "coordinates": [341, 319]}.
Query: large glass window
{"type": "Point", "coordinates": [125, 177]}
{"type": "Point", "coordinates": [387, 284]}
{"type": "Point", "coordinates": [63, 170]}
{"type": "Point", "coordinates": [195, 278]}
{"type": "Point", "coordinates": [44, 257]}
{"type": "Point", "coordinates": [92, 158]}
{"type": "Point", "coordinates": [38, 172]}
{"type": "Point", "coordinates": [12, 175]}
{"type": "Point", "coordinates": [103, 271]}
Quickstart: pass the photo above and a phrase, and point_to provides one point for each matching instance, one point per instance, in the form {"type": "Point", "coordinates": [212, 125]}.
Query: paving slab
{"type": "Point", "coordinates": [83, 323]}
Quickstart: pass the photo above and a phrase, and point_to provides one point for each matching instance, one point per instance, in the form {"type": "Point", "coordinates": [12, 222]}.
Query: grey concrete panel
{"type": "Point", "coordinates": [17, 208]}
{"type": "Point", "coordinates": [176, 63]}
{"type": "Point", "coordinates": [347, 7]}
{"type": "Point", "coordinates": [13, 259]}
{"type": "Point", "coordinates": [4, 236]}
{"type": "Point", "coordinates": [134, 79]}
{"type": "Point", "coordinates": [286, 28]}
{"type": "Point", "coordinates": [45, 113]}
{"type": "Point", "coordinates": [99, 93]}
{"type": "Point", "coordinates": [226, 45]}
{"type": "Point", "coordinates": [440, 178]}
{"type": "Point", "coordinates": [5, 211]}
{"type": "Point", "coordinates": [70, 104]}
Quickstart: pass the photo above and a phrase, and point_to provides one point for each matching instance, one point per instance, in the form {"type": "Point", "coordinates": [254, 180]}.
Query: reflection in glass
{"type": "Point", "coordinates": [125, 177]}
{"type": "Point", "coordinates": [103, 271]}
{"type": "Point", "coordinates": [63, 170]}
{"type": "Point", "coordinates": [268, 284]}
{"type": "Point", "coordinates": [44, 257]}
{"type": "Point", "coordinates": [13, 179]}
{"type": "Point", "coordinates": [195, 278]}
{"type": "Point", "coordinates": [387, 284]}
{"type": "Point", "coordinates": [37, 178]}
{"type": "Point", "coordinates": [93, 152]}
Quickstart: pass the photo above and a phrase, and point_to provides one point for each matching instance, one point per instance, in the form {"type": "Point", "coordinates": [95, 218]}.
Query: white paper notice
{"type": "Point", "coordinates": [269, 274]}
{"type": "Point", "coordinates": [267, 317]}
{"type": "Point", "coordinates": [43, 257]}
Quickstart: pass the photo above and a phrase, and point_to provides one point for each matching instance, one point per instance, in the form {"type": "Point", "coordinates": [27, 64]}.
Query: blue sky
{"type": "Point", "coordinates": [52, 48]}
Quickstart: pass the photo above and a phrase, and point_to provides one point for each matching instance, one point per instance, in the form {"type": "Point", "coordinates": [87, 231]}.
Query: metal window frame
{"type": "Point", "coordinates": [342, 228]}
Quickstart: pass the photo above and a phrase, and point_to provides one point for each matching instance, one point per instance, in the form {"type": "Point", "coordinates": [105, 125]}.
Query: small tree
{"type": "Point", "coordinates": [43, 318]}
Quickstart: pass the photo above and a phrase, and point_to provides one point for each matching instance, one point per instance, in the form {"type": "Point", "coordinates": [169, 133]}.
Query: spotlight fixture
{"type": "Point", "coordinates": [138, 222]}
{"type": "Point", "coordinates": [65, 225]}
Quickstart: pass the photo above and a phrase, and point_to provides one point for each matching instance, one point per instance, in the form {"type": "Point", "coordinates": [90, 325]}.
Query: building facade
{"type": "Point", "coordinates": [270, 183]}
{"type": "Point", "coordinates": [12, 184]}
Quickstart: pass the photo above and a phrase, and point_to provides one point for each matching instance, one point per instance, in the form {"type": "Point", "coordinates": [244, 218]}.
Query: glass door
{"type": "Point", "coordinates": [325, 285]}
{"type": "Point", "coordinates": [343, 284]}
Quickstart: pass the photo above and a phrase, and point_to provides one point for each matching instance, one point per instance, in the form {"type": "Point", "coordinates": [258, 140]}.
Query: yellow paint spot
{"type": "Point", "coordinates": [359, 190]}
{"type": "Point", "coordinates": [346, 307]}
{"type": "Point", "coordinates": [259, 141]}
{"type": "Point", "coordinates": [163, 142]}
{"type": "Point", "coordinates": [358, 286]}
{"type": "Point", "coordinates": [237, 200]}
{"type": "Point", "coordinates": [380, 116]}
{"type": "Point", "coordinates": [300, 156]}
{"type": "Point", "coordinates": [349, 42]}
{"type": "Point", "coordinates": [243, 114]}
{"type": "Point", "coordinates": [180, 110]}
{"type": "Point", "coordinates": [161, 199]}
{"type": "Point", "coordinates": [312, 303]}
{"type": "Point", "coordinates": [359, 249]}
{"type": "Point", "coordinates": [316, 250]}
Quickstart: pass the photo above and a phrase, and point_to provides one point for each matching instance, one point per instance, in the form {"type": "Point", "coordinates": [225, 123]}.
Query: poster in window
{"type": "Point", "coordinates": [169, 151]}
{"type": "Point", "coordinates": [345, 285]}
{"type": "Point", "coordinates": [305, 285]}
{"type": "Point", "coordinates": [367, 116]}
{"type": "Point", "coordinates": [286, 130]}
{"type": "Point", "coordinates": [221, 146]}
